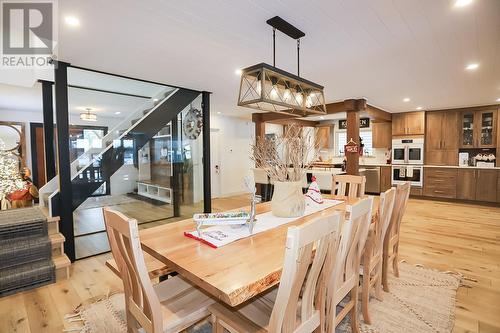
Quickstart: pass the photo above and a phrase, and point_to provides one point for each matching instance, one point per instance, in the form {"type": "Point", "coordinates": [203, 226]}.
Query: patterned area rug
{"type": "Point", "coordinates": [421, 300]}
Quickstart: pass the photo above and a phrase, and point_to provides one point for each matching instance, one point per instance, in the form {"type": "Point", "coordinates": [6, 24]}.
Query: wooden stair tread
{"type": "Point", "coordinates": [45, 211]}
{"type": "Point", "coordinates": [61, 261]}
{"type": "Point", "coordinates": [155, 267]}
{"type": "Point", "coordinates": [57, 238]}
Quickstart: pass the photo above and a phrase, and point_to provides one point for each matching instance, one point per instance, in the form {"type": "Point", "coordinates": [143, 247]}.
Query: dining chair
{"type": "Point", "coordinates": [341, 272]}
{"type": "Point", "coordinates": [169, 306]}
{"type": "Point", "coordinates": [291, 307]}
{"type": "Point", "coordinates": [349, 185]}
{"type": "Point", "coordinates": [391, 241]}
{"type": "Point", "coordinates": [371, 261]}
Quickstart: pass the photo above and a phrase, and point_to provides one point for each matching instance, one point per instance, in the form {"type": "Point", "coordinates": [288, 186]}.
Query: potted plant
{"type": "Point", "coordinates": [286, 158]}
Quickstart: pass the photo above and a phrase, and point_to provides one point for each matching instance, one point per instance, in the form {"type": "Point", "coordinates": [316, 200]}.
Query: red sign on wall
{"type": "Point", "coordinates": [351, 149]}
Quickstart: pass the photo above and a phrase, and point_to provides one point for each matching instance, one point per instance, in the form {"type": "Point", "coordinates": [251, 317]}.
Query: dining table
{"type": "Point", "coordinates": [233, 273]}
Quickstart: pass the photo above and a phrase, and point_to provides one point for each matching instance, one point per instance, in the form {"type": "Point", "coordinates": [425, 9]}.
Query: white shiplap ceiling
{"type": "Point", "coordinates": [381, 50]}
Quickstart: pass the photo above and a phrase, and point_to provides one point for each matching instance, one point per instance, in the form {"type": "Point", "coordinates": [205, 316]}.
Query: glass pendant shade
{"type": "Point", "coordinates": [271, 89]}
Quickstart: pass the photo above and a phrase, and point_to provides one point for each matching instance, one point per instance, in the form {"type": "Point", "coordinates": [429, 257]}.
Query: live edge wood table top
{"type": "Point", "coordinates": [235, 272]}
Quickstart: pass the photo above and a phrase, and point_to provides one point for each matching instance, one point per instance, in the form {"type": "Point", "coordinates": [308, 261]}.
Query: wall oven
{"type": "Point", "coordinates": [408, 151]}
{"type": "Point", "coordinates": [408, 173]}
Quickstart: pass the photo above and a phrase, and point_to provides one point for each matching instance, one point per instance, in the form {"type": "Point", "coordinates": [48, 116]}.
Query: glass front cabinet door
{"type": "Point", "coordinates": [487, 129]}
{"type": "Point", "coordinates": [467, 130]}
{"type": "Point", "coordinates": [478, 129]}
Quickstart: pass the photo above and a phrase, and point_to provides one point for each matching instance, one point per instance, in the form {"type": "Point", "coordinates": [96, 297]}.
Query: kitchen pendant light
{"type": "Point", "coordinates": [87, 116]}
{"type": "Point", "coordinates": [268, 88]}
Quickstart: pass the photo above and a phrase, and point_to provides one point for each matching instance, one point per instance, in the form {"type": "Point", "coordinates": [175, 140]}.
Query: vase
{"type": "Point", "coordinates": [288, 200]}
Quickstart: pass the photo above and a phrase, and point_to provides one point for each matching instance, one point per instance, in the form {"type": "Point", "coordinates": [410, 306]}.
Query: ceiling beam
{"type": "Point", "coordinates": [299, 122]}
{"type": "Point", "coordinates": [376, 114]}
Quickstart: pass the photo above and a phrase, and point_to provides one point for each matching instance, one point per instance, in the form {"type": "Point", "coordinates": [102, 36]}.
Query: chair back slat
{"type": "Point", "coordinates": [349, 185]}
{"type": "Point", "coordinates": [386, 206]}
{"type": "Point", "coordinates": [402, 195]}
{"type": "Point", "coordinates": [301, 272]}
{"type": "Point", "coordinates": [342, 266]}
{"type": "Point", "coordinates": [140, 297]}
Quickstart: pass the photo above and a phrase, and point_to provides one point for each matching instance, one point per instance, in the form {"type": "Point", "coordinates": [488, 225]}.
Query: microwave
{"type": "Point", "coordinates": [408, 173]}
{"type": "Point", "coordinates": [408, 151]}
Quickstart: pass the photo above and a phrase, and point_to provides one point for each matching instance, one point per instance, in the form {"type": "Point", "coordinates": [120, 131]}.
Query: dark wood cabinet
{"type": "Point", "coordinates": [441, 138]}
{"type": "Point", "coordinates": [385, 178]}
{"type": "Point", "coordinates": [440, 182]}
{"type": "Point", "coordinates": [486, 185]}
{"type": "Point", "coordinates": [466, 185]}
{"type": "Point", "coordinates": [478, 185]}
{"type": "Point", "coordinates": [408, 123]}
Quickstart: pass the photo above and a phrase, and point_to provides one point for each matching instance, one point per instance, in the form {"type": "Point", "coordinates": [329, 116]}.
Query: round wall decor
{"type": "Point", "coordinates": [193, 124]}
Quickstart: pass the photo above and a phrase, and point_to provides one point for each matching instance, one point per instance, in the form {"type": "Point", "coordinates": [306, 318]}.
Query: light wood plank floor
{"type": "Point", "coordinates": [448, 236]}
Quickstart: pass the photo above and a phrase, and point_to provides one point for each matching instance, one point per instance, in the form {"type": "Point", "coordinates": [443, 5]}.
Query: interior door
{"type": "Point", "coordinates": [215, 163]}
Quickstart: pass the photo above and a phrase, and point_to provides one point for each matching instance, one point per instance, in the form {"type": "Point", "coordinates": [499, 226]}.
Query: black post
{"type": "Point", "coordinates": [274, 47]}
{"type": "Point", "coordinates": [207, 190]}
{"type": "Point", "coordinates": [176, 168]}
{"type": "Point", "coordinates": [48, 129]}
{"type": "Point", "coordinates": [65, 190]}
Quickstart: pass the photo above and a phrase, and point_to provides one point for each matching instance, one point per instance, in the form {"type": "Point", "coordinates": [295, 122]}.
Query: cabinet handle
{"type": "Point", "coordinates": [436, 191]}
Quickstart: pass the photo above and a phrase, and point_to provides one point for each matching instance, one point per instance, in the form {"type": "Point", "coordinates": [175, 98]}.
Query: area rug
{"type": "Point", "coordinates": [421, 300]}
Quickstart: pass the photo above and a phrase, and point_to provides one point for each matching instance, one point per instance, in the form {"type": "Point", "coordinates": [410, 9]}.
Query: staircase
{"type": "Point", "coordinates": [31, 250]}
{"type": "Point", "coordinates": [139, 129]}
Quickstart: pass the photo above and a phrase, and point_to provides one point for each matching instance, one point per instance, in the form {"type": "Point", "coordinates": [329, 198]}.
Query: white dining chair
{"type": "Point", "coordinates": [341, 272]}
{"type": "Point", "coordinates": [391, 241]}
{"type": "Point", "coordinates": [260, 177]}
{"type": "Point", "coordinates": [292, 307]}
{"type": "Point", "coordinates": [170, 306]}
{"type": "Point", "coordinates": [372, 256]}
{"type": "Point", "coordinates": [351, 186]}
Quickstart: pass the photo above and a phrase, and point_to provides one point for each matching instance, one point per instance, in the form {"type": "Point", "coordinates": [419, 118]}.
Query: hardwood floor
{"type": "Point", "coordinates": [455, 237]}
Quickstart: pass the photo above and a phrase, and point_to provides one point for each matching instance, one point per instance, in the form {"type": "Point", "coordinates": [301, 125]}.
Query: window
{"type": "Point", "coordinates": [341, 141]}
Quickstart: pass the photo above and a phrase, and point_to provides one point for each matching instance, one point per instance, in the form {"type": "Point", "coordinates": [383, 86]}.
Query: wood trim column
{"type": "Point", "coordinates": [353, 108]}
{"type": "Point", "coordinates": [260, 125]}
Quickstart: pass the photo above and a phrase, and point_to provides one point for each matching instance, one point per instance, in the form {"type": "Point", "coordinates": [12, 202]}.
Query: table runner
{"type": "Point", "coordinates": [217, 236]}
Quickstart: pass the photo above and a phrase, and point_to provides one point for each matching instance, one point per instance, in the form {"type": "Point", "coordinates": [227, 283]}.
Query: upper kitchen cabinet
{"type": "Point", "coordinates": [323, 136]}
{"type": "Point", "coordinates": [441, 138]}
{"type": "Point", "coordinates": [478, 129]}
{"type": "Point", "coordinates": [381, 135]}
{"type": "Point", "coordinates": [408, 123]}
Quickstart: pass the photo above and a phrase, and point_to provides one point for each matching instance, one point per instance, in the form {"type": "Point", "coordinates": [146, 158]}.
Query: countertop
{"type": "Point", "coordinates": [461, 167]}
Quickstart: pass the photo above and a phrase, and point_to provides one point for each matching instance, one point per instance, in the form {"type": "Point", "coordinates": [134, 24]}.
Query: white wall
{"type": "Point", "coordinates": [235, 137]}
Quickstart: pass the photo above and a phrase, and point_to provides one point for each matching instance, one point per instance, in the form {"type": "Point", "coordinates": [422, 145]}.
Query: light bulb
{"type": "Point", "coordinates": [299, 98]}
{"type": "Point", "coordinates": [259, 87]}
{"type": "Point", "coordinates": [287, 95]}
{"type": "Point", "coordinates": [274, 92]}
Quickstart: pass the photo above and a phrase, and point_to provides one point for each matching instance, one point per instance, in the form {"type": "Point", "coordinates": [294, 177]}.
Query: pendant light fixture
{"type": "Point", "coordinates": [87, 116]}
{"type": "Point", "coordinates": [268, 88]}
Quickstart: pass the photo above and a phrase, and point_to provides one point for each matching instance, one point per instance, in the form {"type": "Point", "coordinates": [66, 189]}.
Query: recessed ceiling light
{"type": "Point", "coordinates": [238, 72]}
{"type": "Point", "coordinates": [117, 112]}
{"type": "Point", "coordinates": [218, 112]}
{"type": "Point", "coordinates": [472, 66]}
{"type": "Point", "coordinates": [498, 99]}
{"type": "Point", "coordinates": [72, 21]}
{"type": "Point", "coordinates": [462, 3]}
{"type": "Point", "coordinates": [406, 99]}
{"type": "Point", "coordinates": [419, 108]}
{"type": "Point", "coordinates": [155, 100]}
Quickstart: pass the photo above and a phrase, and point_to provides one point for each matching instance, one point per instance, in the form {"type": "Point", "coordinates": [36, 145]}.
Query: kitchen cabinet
{"type": "Point", "coordinates": [486, 185]}
{"type": "Point", "coordinates": [498, 186]}
{"type": "Point", "coordinates": [381, 135]}
{"type": "Point", "coordinates": [440, 182]}
{"type": "Point", "coordinates": [466, 185]}
{"type": "Point", "coordinates": [408, 123]}
{"type": "Point", "coordinates": [441, 138]}
{"type": "Point", "coordinates": [478, 129]}
{"type": "Point", "coordinates": [416, 191]}
{"type": "Point", "coordinates": [323, 136]}
{"type": "Point", "coordinates": [385, 178]}
{"type": "Point", "coordinates": [477, 184]}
